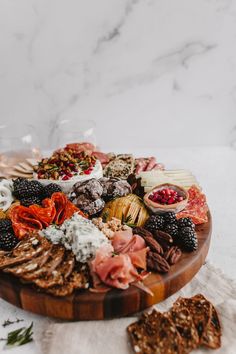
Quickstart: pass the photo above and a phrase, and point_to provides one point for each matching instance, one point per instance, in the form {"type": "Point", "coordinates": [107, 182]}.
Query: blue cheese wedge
{"type": "Point", "coordinates": [79, 235]}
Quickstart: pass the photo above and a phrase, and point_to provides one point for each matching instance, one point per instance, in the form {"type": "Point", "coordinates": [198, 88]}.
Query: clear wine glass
{"type": "Point", "coordinates": [75, 131]}
{"type": "Point", "coordinates": [17, 142]}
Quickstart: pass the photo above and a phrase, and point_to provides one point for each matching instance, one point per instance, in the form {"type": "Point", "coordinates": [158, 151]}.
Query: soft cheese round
{"type": "Point", "coordinates": [67, 185]}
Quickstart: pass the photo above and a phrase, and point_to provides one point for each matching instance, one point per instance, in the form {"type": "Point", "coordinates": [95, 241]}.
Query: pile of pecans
{"type": "Point", "coordinates": [163, 253]}
{"type": "Point", "coordinates": [65, 164]}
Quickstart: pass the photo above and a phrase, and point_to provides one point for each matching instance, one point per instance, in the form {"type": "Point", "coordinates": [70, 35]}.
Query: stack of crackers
{"type": "Point", "coordinates": [190, 323]}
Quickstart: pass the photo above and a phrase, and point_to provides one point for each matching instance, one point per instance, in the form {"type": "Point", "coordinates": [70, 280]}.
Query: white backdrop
{"type": "Point", "coordinates": [149, 72]}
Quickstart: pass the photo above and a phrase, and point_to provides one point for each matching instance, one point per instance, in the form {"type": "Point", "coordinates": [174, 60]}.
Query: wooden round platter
{"type": "Point", "coordinates": [85, 305]}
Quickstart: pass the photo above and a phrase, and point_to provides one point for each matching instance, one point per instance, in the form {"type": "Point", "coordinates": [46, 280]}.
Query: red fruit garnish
{"type": "Point", "coordinates": [166, 196]}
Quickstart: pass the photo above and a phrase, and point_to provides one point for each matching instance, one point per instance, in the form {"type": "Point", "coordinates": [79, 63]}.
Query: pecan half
{"type": "Point", "coordinates": [157, 263]}
{"type": "Point", "coordinates": [154, 245]}
{"type": "Point", "coordinates": [164, 239]}
{"type": "Point", "coordinates": [173, 255]}
{"type": "Point", "coordinates": [142, 232]}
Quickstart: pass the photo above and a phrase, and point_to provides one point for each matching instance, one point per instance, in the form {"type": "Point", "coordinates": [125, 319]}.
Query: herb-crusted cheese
{"type": "Point", "coordinates": [79, 235]}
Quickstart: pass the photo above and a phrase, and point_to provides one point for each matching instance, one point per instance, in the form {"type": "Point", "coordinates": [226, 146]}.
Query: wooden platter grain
{"type": "Point", "coordinates": [85, 305]}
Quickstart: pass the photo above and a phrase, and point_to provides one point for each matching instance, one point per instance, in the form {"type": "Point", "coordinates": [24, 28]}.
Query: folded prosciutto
{"type": "Point", "coordinates": [117, 271]}
{"type": "Point", "coordinates": [116, 265]}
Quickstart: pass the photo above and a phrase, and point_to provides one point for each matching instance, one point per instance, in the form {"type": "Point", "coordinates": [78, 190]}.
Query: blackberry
{"type": "Point", "coordinates": [5, 225]}
{"type": "Point", "coordinates": [50, 189]}
{"type": "Point", "coordinates": [8, 241]}
{"type": "Point", "coordinates": [188, 239]}
{"type": "Point", "coordinates": [155, 222]}
{"type": "Point", "coordinates": [186, 222]}
{"type": "Point", "coordinates": [170, 218]}
{"type": "Point", "coordinates": [29, 201]}
{"type": "Point", "coordinates": [172, 229]}
{"type": "Point", "coordinates": [24, 188]}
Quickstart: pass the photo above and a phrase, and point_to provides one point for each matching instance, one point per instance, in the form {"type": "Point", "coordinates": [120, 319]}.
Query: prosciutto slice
{"type": "Point", "coordinates": [88, 148]}
{"type": "Point", "coordinates": [102, 157]}
{"type": "Point", "coordinates": [117, 271]}
{"type": "Point", "coordinates": [125, 241]}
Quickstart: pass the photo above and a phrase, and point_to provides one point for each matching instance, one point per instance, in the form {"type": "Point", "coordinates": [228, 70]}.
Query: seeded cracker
{"type": "Point", "coordinates": [56, 257]}
{"type": "Point", "coordinates": [184, 323]}
{"type": "Point", "coordinates": [155, 333]}
{"type": "Point", "coordinates": [26, 250]}
{"type": "Point", "coordinates": [212, 335]}
{"type": "Point", "coordinates": [200, 310]}
{"type": "Point", "coordinates": [59, 275]}
{"type": "Point", "coordinates": [30, 265]}
{"type": "Point", "coordinates": [79, 279]}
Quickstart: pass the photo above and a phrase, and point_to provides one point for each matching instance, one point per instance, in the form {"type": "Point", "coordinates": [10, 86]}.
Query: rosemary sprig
{"type": "Point", "coordinates": [8, 322]}
{"type": "Point", "coordinates": [126, 220]}
{"type": "Point", "coordinates": [19, 337]}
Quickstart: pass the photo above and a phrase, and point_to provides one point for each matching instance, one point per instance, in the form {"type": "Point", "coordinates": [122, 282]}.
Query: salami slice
{"type": "Point", "coordinates": [24, 221]}
{"type": "Point", "coordinates": [196, 208]}
{"type": "Point", "coordinates": [60, 202]}
{"type": "Point", "coordinates": [56, 209]}
{"type": "Point", "coordinates": [64, 208]}
{"type": "Point", "coordinates": [46, 213]}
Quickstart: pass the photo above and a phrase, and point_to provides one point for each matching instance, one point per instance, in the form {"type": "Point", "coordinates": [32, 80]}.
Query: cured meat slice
{"type": "Point", "coordinates": [125, 241]}
{"type": "Point", "coordinates": [60, 202]}
{"type": "Point", "coordinates": [151, 163]}
{"type": "Point", "coordinates": [196, 208]}
{"type": "Point", "coordinates": [24, 221]}
{"type": "Point", "coordinates": [56, 209]}
{"type": "Point", "coordinates": [102, 157]}
{"type": "Point", "coordinates": [46, 213]}
{"type": "Point", "coordinates": [88, 148]}
{"type": "Point", "coordinates": [147, 164]}
{"type": "Point", "coordinates": [64, 208]}
{"type": "Point", "coordinates": [117, 271]}
{"type": "Point", "coordinates": [139, 258]}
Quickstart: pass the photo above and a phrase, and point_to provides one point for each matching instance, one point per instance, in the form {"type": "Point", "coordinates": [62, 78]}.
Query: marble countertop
{"type": "Point", "coordinates": [154, 75]}
{"type": "Point", "coordinates": [129, 65]}
{"type": "Point", "coordinates": [215, 169]}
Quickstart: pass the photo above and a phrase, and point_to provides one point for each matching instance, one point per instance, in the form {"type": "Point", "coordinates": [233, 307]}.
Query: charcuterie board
{"type": "Point", "coordinates": [87, 235]}
{"type": "Point", "coordinates": [85, 305]}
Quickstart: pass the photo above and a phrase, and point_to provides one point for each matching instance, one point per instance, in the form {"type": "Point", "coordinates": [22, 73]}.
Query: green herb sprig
{"type": "Point", "coordinates": [127, 220]}
{"type": "Point", "coordinates": [19, 337]}
{"type": "Point", "coordinates": [9, 322]}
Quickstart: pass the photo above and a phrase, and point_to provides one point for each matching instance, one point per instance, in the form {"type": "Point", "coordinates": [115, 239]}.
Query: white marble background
{"type": "Point", "coordinates": [148, 72]}
{"type": "Point", "coordinates": [152, 74]}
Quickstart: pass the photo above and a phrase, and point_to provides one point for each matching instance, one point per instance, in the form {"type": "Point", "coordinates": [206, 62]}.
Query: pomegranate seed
{"type": "Point", "coordinates": [163, 196]}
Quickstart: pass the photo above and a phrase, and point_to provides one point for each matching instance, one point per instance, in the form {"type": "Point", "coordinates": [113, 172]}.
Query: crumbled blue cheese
{"type": "Point", "coordinates": [79, 235]}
